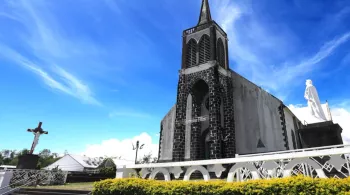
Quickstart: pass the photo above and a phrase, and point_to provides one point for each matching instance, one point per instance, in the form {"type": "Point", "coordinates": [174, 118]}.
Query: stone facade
{"type": "Point", "coordinates": [212, 101]}
{"type": "Point", "coordinates": [220, 95]}
{"type": "Point", "coordinates": [204, 128]}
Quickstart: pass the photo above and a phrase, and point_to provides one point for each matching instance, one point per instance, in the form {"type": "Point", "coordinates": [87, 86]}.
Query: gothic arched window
{"type": "Point", "coordinates": [221, 53]}
{"type": "Point", "coordinates": [191, 58]}
{"type": "Point", "coordinates": [204, 49]}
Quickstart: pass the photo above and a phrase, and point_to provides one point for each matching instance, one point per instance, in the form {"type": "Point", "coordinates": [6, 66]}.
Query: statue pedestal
{"type": "Point", "coordinates": [320, 134]}
{"type": "Point", "coordinates": [28, 161]}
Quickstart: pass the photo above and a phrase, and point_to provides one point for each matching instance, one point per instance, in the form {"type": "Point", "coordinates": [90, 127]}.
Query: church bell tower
{"type": "Point", "coordinates": [204, 123]}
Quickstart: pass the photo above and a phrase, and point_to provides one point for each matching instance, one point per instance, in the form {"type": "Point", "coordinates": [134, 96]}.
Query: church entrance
{"type": "Point", "coordinates": [205, 142]}
{"type": "Point", "coordinates": [200, 110]}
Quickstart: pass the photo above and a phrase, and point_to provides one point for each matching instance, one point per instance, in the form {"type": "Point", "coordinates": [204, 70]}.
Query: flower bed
{"type": "Point", "coordinates": [291, 185]}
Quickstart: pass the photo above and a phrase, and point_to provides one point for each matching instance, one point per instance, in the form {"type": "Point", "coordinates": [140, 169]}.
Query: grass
{"type": "Point", "coordinates": [70, 186]}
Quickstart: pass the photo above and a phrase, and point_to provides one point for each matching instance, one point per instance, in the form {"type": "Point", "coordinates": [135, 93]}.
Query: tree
{"type": "Point", "coordinates": [12, 154]}
{"type": "Point", "coordinates": [147, 158]}
{"type": "Point", "coordinates": [10, 157]}
{"type": "Point", "coordinates": [24, 152]}
{"type": "Point", "coordinates": [55, 155]}
{"type": "Point", "coordinates": [46, 158]}
{"type": "Point", "coordinates": [107, 167]}
{"type": "Point", "coordinates": [45, 153]}
{"type": "Point", "coordinates": [1, 159]}
{"type": "Point", "coordinates": [6, 153]}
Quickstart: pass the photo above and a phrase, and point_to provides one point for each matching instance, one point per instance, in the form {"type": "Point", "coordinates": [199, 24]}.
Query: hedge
{"type": "Point", "coordinates": [291, 185]}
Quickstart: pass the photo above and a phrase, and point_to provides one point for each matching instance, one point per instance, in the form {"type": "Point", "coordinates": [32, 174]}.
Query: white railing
{"type": "Point", "coordinates": [331, 161]}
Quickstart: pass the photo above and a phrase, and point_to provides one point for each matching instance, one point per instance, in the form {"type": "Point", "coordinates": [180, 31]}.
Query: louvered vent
{"type": "Point", "coordinates": [221, 53]}
{"type": "Point", "coordinates": [204, 49]}
{"type": "Point", "coordinates": [191, 53]}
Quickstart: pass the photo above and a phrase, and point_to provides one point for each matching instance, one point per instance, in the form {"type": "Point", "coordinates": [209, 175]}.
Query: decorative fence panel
{"type": "Point", "coordinates": [37, 177]}
{"type": "Point", "coordinates": [320, 162]}
{"type": "Point", "coordinates": [12, 180]}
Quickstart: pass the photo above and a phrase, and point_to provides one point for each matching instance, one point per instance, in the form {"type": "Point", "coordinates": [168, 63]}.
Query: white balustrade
{"type": "Point", "coordinates": [322, 162]}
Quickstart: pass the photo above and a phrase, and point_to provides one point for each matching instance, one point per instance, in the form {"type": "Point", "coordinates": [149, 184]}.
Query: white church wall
{"type": "Point", "coordinates": [256, 117]}
{"type": "Point", "coordinates": [166, 144]}
{"type": "Point", "coordinates": [290, 127]}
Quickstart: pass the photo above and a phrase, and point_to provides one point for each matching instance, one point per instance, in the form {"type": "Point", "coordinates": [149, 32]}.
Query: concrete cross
{"type": "Point", "coordinates": [37, 132]}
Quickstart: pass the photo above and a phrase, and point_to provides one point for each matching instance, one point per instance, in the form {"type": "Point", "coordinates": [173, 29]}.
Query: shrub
{"type": "Point", "coordinates": [108, 171]}
{"type": "Point", "coordinates": [285, 186]}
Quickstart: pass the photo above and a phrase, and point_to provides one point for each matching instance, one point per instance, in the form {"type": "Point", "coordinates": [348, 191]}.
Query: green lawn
{"type": "Point", "coordinates": [70, 186]}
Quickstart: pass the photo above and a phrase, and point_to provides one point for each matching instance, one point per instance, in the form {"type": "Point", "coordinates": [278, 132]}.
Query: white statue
{"type": "Point", "coordinates": [37, 132]}
{"type": "Point", "coordinates": [313, 101]}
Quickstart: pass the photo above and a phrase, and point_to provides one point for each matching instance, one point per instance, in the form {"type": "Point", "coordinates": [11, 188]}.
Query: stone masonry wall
{"type": "Point", "coordinates": [218, 87]}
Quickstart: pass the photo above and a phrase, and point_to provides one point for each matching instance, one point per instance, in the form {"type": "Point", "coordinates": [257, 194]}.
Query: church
{"type": "Point", "coordinates": [219, 114]}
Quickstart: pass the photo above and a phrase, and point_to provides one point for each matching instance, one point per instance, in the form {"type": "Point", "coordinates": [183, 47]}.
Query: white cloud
{"type": "Point", "coordinates": [342, 117]}
{"type": "Point", "coordinates": [59, 80]}
{"type": "Point", "coordinates": [123, 148]}
{"type": "Point", "coordinates": [339, 115]}
{"type": "Point", "coordinates": [76, 87]}
{"type": "Point", "coordinates": [292, 71]}
{"type": "Point", "coordinates": [255, 48]}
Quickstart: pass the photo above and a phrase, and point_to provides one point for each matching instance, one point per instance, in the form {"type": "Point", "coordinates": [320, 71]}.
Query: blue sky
{"type": "Point", "coordinates": [97, 71]}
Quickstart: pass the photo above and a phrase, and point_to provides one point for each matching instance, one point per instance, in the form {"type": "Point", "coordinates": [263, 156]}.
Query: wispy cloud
{"type": "Point", "coordinates": [270, 58]}
{"type": "Point", "coordinates": [112, 4]}
{"type": "Point", "coordinates": [128, 113]}
{"type": "Point", "coordinates": [292, 71]}
{"type": "Point", "coordinates": [59, 80]}
{"type": "Point", "coordinates": [45, 50]}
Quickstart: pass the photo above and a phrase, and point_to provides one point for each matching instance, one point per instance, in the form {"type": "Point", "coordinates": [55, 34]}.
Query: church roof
{"type": "Point", "coordinates": [86, 162]}
{"type": "Point", "coordinates": [205, 15]}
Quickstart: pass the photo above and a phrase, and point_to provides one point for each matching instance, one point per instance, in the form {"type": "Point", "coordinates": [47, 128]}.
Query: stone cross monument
{"type": "Point", "coordinates": [37, 132]}
{"type": "Point", "coordinates": [313, 101]}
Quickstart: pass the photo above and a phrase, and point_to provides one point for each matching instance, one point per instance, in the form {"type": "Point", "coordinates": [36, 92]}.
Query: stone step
{"type": "Point", "coordinates": [41, 191]}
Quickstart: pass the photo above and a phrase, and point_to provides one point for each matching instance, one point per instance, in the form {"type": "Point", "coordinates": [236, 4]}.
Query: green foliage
{"type": "Point", "coordinates": [147, 158]}
{"type": "Point", "coordinates": [46, 158]}
{"type": "Point", "coordinates": [108, 168]}
{"type": "Point", "coordinates": [108, 171]}
{"type": "Point", "coordinates": [10, 157]}
{"type": "Point", "coordinates": [286, 186]}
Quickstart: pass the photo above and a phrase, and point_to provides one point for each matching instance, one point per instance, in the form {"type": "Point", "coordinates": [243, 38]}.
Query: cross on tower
{"type": "Point", "coordinates": [37, 132]}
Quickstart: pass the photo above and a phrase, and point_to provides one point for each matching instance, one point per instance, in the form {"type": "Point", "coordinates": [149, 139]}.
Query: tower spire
{"type": "Point", "coordinates": [205, 15]}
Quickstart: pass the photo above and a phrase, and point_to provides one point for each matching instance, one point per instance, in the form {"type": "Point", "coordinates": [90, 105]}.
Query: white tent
{"type": "Point", "coordinates": [75, 163]}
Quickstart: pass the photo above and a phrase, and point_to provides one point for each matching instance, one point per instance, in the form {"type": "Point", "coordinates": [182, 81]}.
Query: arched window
{"type": "Point", "coordinates": [221, 53]}
{"type": "Point", "coordinates": [191, 58]}
{"type": "Point", "coordinates": [204, 49]}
